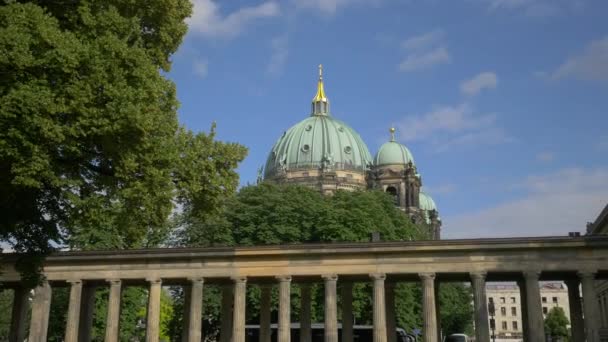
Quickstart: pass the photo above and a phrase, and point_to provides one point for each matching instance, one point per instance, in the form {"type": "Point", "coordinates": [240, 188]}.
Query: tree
{"type": "Point", "coordinates": [556, 324]}
{"type": "Point", "coordinates": [91, 153]}
{"type": "Point", "coordinates": [456, 316]}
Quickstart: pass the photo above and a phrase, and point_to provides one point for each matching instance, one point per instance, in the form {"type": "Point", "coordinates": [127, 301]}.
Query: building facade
{"type": "Point", "coordinates": [326, 154]}
{"type": "Point", "coordinates": [506, 298]}
{"type": "Point", "coordinates": [600, 227]}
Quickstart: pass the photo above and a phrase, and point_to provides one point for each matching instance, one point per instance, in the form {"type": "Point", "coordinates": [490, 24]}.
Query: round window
{"type": "Point", "coordinates": [308, 127]}
{"type": "Point", "coordinates": [348, 149]}
{"type": "Point", "coordinates": [341, 129]}
{"type": "Point", "coordinates": [306, 148]}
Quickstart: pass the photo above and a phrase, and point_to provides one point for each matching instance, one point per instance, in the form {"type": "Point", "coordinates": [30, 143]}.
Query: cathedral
{"type": "Point", "coordinates": [326, 154]}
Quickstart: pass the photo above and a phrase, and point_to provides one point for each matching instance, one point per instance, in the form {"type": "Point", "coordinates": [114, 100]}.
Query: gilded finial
{"type": "Point", "coordinates": [320, 95]}
{"type": "Point", "coordinates": [392, 130]}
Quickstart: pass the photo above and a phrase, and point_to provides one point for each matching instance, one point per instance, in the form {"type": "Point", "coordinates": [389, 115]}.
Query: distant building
{"type": "Point", "coordinates": [600, 227]}
{"type": "Point", "coordinates": [507, 306]}
{"type": "Point", "coordinates": [326, 154]}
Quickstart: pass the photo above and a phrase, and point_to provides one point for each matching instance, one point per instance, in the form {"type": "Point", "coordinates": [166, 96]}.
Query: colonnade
{"type": "Point", "coordinates": [579, 261]}
{"type": "Point", "coordinates": [81, 297]}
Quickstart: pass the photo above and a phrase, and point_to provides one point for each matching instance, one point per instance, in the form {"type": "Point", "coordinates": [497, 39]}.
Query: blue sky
{"type": "Point", "coordinates": [503, 103]}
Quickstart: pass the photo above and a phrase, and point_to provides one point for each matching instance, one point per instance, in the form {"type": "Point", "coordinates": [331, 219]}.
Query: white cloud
{"type": "Point", "coordinates": [446, 127]}
{"type": "Point", "coordinates": [535, 8]}
{"type": "Point", "coordinates": [450, 119]}
{"type": "Point", "coordinates": [280, 52]}
{"type": "Point", "coordinates": [208, 21]}
{"type": "Point", "coordinates": [421, 61]}
{"type": "Point", "coordinates": [545, 157]}
{"type": "Point", "coordinates": [591, 64]}
{"type": "Point", "coordinates": [201, 68]}
{"type": "Point", "coordinates": [330, 6]}
{"type": "Point", "coordinates": [424, 40]}
{"type": "Point", "coordinates": [424, 51]}
{"type": "Point", "coordinates": [485, 80]}
{"type": "Point", "coordinates": [555, 204]}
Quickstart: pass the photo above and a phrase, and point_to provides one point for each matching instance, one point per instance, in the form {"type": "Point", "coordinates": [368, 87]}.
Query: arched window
{"type": "Point", "coordinates": [393, 192]}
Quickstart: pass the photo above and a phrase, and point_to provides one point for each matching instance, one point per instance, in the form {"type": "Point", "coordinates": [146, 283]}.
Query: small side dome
{"type": "Point", "coordinates": [427, 205]}
{"type": "Point", "coordinates": [392, 152]}
{"type": "Point", "coordinates": [426, 202]}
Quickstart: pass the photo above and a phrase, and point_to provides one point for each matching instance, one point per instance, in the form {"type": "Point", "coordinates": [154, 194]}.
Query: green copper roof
{"type": "Point", "coordinates": [426, 204]}
{"type": "Point", "coordinates": [316, 142]}
{"type": "Point", "coordinates": [393, 152]}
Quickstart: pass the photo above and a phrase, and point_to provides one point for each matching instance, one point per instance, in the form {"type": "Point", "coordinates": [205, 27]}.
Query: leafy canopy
{"type": "Point", "coordinates": [280, 214]}
{"type": "Point", "coordinates": [556, 323]}
{"type": "Point", "coordinates": [91, 152]}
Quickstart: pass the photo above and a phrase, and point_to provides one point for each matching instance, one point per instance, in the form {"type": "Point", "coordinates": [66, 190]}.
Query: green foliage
{"type": "Point", "coordinates": [6, 305]}
{"type": "Point", "coordinates": [456, 311]}
{"type": "Point", "coordinates": [277, 214]}
{"type": "Point", "coordinates": [91, 153]}
{"type": "Point", "coordinates": [556, 323]}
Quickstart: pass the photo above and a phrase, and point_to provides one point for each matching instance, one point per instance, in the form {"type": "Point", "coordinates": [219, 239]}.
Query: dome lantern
{"type": "Point", "coordinates": [320, 103]}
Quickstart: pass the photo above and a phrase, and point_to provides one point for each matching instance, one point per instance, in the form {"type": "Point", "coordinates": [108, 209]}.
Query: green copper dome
{"type": "Point", "coordinates": [426, 202]}
{"type": "Point", "coordinates": [318, 142]}
{"type": "Point", "coordinates": [393, 152]}
{"type": "Point", "coordinates": [427, 205]}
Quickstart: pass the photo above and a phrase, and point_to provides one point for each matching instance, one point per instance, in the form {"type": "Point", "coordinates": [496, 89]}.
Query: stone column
{"type": "Point", "coordinates": [41, 307]}
{"type": "Point", "coordinates": [19, 315]}
{"type": "Point", "coordinates": [535, 313]}
{"type": "Point", "coordinates": [590, 305]}
{"type": "Point", "coordinates": [87, 310]}
{"type": "Point", "coordinates": [73, 318]}
{"type": "Point", "coordinates": [113, 317]}
{"type": "Point", "coordinates": [226, 317]}
{"type": "Point", "coordinates": [482, 327]}
{"type": "Point", "coordinates": [438, 310]}
{"type": "Point", "coordinates": [577, 327]}
{"type": "Point", "coordinates": [379, 307]}
{"type": "Point", "coordinates": [238, 313]}
{"type": "Point", "coordinates": [525, 328]}
{"type": "Point", "coordinates": [402, 202]}
{"type": "Point", "coordinates": [265, 303]}
{"type": "Point", "coordinates": [186, 311]}
{"type": "Point", "coordinates": [391, 319]}
{"type": "Point", "coordinates": [305, 330]}
{"type": "Point", "coordinates": [153, 319]}
{"type": "Point", "coordinates": [331, 309]}
{"type": "Point", "coordinates": [196, 310]}
{"type": "Point", "coordinates": [284, 331]}
{"type": "Point", "coordinates": [428, 307]}
{"type": "Point", "coordinates": [347, 311]}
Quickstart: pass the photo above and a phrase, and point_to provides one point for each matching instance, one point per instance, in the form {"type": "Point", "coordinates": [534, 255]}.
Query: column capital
{"type": "Point", "coordinates": [74, 281]}
{"type": "Point", "coordinates": [239, 279]}
{"type": "Point", "coordinates": [427, 275]}
{"type": "Point", "coordinates": [154, 280]}
{"type": "Point", "coordinates": [586, 274]}
{"type": "Point", "coordinates": [196, 280]}
{"type": "Point", "coordinates": [478, 275]}
{"type": "Point", "coordinates": [114, 281]}
{"type": "Point", "coordinates": [378, 276]}
{"type": "Point", "coordinates": [330, 277]}
{"type": "Point", "coordinates": [532, 274]}
{"type": "Point", "coordinates": [284, 278]}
